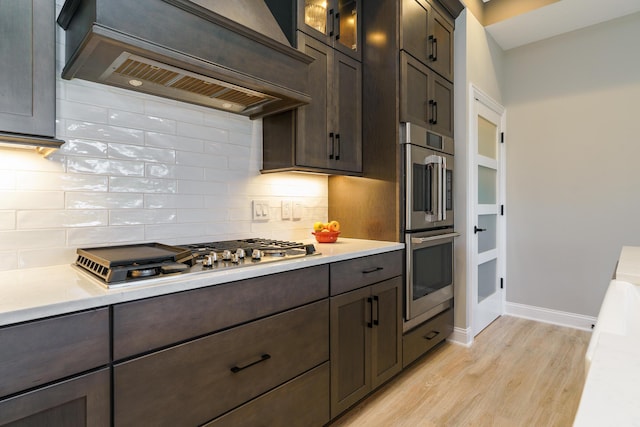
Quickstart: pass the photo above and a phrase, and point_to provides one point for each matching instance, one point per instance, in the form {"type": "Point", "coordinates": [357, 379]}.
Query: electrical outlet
{"type": "Point", "coordinates": [297, 211]}
{"type": "Point", "coordinates": [260, 210]}
{"type": "Point", "coordinates": [286, 209]}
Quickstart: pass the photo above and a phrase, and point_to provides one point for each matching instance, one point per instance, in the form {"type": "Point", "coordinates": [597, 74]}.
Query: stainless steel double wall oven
{"type": "Point", "coordinates": [428, 222]}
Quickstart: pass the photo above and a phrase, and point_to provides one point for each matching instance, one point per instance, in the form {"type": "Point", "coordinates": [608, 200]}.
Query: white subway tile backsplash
{"type": "Point", "coordinates": [182, 143]}
{"type": "Point", "coordinates": [201, 215]}
{"type": "Point", "coordinates": [59, 181]}
{"type": "Point", "coordinates": [61, 218]}
{"type": "Point", "coordinates": [142, 121]}
{"type": "Point", "coordinates": [32, 200]}
{"type": "Point", "coordinates": [141, 185]}
{"type": "Point", "coordinates": [159, 201]}
{"type": "Point", "coordinates": [7, 220]}
{"type": "Point", "coordinates": [201, 160]}
{"type": "Point", "coordinates": [141, 153]}
{"type": "Point", "coordinates": [138, 168]}
{"type": "Point", "coordinates": [84, 92]}
{"type": "Point", "coordinates": [206, 133]}
{"type": "Point", "coordinates": [102, 236]}
{"type": "Point", "coordinates": [30, 239]}
{"type": "Point", "coordinates": [82, 112]}
{"type": "Point", "coordinates": [87, 200]}
{"type": "Point", "coordinates": [102, 132]}
{"type": "Point", "coordinates": [44, 257]}
{"type": "Point", "coordinates": [105, 166]}
{"type": "Point", "coordinates": [179, 112]}
{"type": "Point", "coordinates": [142, 216]}
{"type": "Point", "coordinates": [80, 147]}
{"type": "Point", "coordinates": [8, 260]}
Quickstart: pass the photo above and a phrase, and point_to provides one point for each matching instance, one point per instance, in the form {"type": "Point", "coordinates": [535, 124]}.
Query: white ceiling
{"type": "Point", "coordinates": [558, 18]}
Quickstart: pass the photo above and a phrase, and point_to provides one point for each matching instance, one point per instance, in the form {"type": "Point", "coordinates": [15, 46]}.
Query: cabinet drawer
{"type": "Point", "coordinates": [144, 325]}
{"type": "Point", "coordinates": [418, 341]}
{"type": "Point", "coordinates": [304, 399]}
{"type": "Point", "coordinates": [197, 381]}
{"type": "Point", "coordinates": [356, 273]}
{"type": "Point", "coordinates": [81, 401]}
{"type": "Point", "coordinates": [42, 351]}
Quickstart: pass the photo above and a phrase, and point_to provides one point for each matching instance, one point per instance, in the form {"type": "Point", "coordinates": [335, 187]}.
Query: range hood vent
{"type": "Point", "coordinates": [201, 51]}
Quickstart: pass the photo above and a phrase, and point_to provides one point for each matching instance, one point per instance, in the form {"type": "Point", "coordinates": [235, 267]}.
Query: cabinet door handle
{"type": "Point", "coordinates": [372, 270]}
{"type": "Point", "coordinates": [333, 24]}
{"type": "Point", "coordinates": [434, 49]}
{"type": "Point", "coordinates": [332, 142]}
{"type": "Point", "coordinates": [262, 358]}
{"type": "Point", "coordinates": [431, 335]}
{"type": "Point", "coordinates": [434, 112]}
{"type": "Point", "coordinates": [338, 26]}
{"type": "Point", "coordinates": [338, 150]}
{"type": "Point", "coordinates": [376, 299]}
{"type": "Point", "coordinates": [370, 319]}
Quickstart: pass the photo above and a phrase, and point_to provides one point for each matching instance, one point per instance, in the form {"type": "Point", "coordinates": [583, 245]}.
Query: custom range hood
{"type": "Point", "coordinates": [226, 54]}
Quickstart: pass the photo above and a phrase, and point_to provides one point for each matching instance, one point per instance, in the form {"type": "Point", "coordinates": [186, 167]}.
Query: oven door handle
{"type": "Point", "coordinates": [418, 240]}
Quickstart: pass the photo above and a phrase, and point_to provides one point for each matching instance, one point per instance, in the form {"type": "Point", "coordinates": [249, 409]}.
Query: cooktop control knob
{"type": "Point", "coordinates": [226, 255]}
{"type": "Point", "coordinates": [240, 253]}
{"type": "Point", "coordinates": [234, 258]}
{"type": "Point", "coordinates": [256, 254]}
{"type": "Point", "coordinates": [207, 261]}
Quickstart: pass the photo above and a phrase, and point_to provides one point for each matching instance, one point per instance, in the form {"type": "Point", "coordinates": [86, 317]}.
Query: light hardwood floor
{"type": "Point", "coordinates": [517, 373]}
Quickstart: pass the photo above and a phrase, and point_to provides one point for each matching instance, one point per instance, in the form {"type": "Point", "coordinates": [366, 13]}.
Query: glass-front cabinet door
{"type": "Point", "coordinates": [334, 22]}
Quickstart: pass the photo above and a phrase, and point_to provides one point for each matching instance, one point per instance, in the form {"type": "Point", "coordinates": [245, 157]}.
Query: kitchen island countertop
{"type": "Point", "coordinates": [30, 294]}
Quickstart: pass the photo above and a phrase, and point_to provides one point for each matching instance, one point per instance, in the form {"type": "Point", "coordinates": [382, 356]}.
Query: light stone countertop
{"type": "Point", "coordinates": [611, 394]}
{"type": "Point", "coordinates": [30, 294]}
{"type": "Point", "coordinates": [628, 268]}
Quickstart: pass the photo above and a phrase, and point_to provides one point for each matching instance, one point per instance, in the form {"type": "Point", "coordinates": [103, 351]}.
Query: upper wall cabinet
{"type": "Point", "coordinates": [27, 74]}
{"type": "Point", "coordinates": [427, 36]}
{"type": "Point", "coordinates": [335, 23]}
{"type": "Point", "coordinates": [324, 136]}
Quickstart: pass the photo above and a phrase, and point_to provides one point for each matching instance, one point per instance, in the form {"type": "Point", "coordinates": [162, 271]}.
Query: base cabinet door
{"type": "Point", "coordinates": [366, 341]}
{"type": "Point", "coordinates": [350, 349]}
{"type": "Point", "coordinates": [386, 342]}
{"type": "Point", "coordinates": [82, 401]}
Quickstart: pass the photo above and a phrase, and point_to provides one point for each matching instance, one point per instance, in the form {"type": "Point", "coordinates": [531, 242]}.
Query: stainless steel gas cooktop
{"type": "Point", "coordinates": [122, 265]}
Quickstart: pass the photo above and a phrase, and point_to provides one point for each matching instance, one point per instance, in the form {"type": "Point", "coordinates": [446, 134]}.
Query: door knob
{"type": "Point", "coordinates": [478, 230]}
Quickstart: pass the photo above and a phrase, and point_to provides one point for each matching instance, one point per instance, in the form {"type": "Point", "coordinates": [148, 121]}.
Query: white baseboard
{"type": "Point", "coordinates": [555, 317]}
{"type": "Point", "coordinates": [463, 337]}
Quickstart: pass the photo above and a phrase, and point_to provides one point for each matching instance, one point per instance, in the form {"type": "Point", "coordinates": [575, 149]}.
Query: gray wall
{"type": "Point", "coordinates": [573, 178]}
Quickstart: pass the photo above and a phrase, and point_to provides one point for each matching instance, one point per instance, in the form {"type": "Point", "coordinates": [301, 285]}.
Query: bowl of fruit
{"type": "Point", "coordinates": [326, 232]}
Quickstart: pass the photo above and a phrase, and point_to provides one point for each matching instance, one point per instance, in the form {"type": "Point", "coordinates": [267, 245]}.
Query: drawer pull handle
{"type": "Point", "coordinates": [372, 270]}
{"type": "Point", "coordinates": [255, 362]}
{"type": "Point", "coordinates": [431, 335]}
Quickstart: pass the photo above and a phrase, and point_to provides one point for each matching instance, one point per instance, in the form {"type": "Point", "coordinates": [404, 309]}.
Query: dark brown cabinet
{"type": "Point", "coordinates": [426, 99]}
{"type": "Point", "coordinates": [365, 341]}
{"type": "Point", "coordinates": [428, 36]}
{"type": "Point", "coordinates": [78, 402]}
{"type": "Point", "coordinates": [325, 135]}
{"type": "Point", "coordinates": [334, 22]}
{"type": "Point", "coordinates": [38, 362]}
{"type": "Point", "coordinates": [27, 75]}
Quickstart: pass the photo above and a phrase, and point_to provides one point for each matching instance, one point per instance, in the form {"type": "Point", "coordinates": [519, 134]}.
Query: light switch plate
{"type": "Point", "coordinates": [286, 209]}
{"type": "Point", "coordinates": [297, 210]}
{"type": "Point", "coordinates": [260, 211]}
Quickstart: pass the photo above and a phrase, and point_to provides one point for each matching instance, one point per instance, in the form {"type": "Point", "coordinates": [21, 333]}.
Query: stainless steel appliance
{"type": "Point", "coordinates": [428, 178]}
{"type": "Point", "coordinates": [429, 275]}
{"type": "Point", "coordinates": [428, 227]}
{"type": "Point", "coordinates": [117, 266]}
